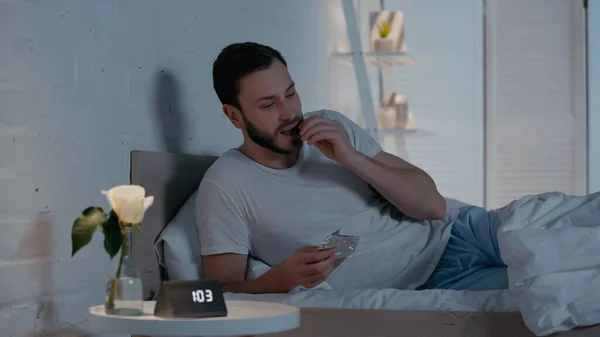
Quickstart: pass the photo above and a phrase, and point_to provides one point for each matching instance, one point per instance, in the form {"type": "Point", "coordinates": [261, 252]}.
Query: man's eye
{"type": "Point", "coordinates": [290, 95]}
{"type": "Point", "coordinates": [268, 105]}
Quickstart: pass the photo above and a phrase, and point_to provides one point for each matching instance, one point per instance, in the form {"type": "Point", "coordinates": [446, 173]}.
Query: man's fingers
{"type": "Point", "coordinates": [309, 257]}
{"type": "Point", "coordinates": [315, 279]}
{"type": "Point", "coordinates": [312, 120]}
{"type": "Point", "coordinates": [322, 135]}
{"type": "Point", "coordinates": [309, 249]}
{"type": "Point", "coordinates": [309, 123]}
{"type": "Point", "coordinates": [307, 133]}
{"type": "Point", "coordinates": [323, 266]}
{"type": "Point", "coordinates": [317, 268]}
{"type": "Point", "coordinates": [324, 254]}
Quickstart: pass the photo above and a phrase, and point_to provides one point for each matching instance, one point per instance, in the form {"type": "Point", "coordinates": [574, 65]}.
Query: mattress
{"type": "Point", "coordinates": [392, 299]}
{"type": "Point", "coordinates": [391, 312]}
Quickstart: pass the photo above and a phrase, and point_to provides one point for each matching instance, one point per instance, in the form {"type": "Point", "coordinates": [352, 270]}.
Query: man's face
{"type": "Point", "coordinates": [271, 109]}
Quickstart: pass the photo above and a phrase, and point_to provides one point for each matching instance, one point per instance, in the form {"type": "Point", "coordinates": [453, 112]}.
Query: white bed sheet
{"type": "Point", "coordinates": [392, 299]}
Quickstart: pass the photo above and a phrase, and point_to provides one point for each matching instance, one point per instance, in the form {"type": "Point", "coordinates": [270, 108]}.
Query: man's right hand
{"type": "Point", "coordinates": [307, 267]}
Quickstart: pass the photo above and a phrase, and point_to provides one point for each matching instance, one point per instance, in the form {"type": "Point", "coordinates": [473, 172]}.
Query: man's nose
{"type": "Point", "coordinates": [286, 112]}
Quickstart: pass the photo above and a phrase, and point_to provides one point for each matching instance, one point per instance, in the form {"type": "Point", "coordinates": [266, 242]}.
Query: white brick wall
{"type": "Point", "coordinates": [79, 82]}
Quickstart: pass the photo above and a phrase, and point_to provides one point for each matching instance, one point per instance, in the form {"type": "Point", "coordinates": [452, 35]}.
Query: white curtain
{"type": "Point", "coordinates": [535, 95]}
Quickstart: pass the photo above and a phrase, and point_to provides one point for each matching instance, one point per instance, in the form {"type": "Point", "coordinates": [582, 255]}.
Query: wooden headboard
{"type": "Point", "coordinates": [171, 179]}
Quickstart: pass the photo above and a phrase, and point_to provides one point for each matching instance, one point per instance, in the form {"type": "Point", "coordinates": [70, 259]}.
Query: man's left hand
{"type": "Point", "coordinates": [329, 137]}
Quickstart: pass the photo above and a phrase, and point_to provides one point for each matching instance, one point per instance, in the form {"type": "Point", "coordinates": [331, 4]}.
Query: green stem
{"type": "Point", "coordinates": [110, 303]}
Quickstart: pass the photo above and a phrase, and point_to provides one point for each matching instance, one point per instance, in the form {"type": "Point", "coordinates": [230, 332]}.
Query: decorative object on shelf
{"type": "Point", "coordinates": [383, 43]}
{"type": "Point", "coordinates": [128, 204]}
{"type": "Point", "coordinates": [394, 112]}
{"type": "Point", "coordinates": [387, 31]}
{"type": "Point", "coordinates": [386, 118]}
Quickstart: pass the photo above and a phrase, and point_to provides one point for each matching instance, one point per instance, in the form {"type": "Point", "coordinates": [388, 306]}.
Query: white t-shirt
{"type": "Point", "coordinates": [246, 208]}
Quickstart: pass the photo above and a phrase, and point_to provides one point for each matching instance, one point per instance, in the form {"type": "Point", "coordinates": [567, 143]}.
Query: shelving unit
{"type": "Point", "coordinates": [381, 58]}
{"type": "Point", "coordinates": [359, 59]}
{"type": "Point", "coordinates": [394, 131]}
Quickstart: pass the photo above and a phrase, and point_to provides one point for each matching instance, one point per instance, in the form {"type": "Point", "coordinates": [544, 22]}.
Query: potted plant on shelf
{"type": "Point", "coordinates": [384, 43]}
{"type": "Point", "coordinates": [128, 204]}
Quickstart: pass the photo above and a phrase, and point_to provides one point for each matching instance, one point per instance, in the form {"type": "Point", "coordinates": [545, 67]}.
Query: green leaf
{"type": "Point", "coordinates": [84, 227]}
{"type": "Point", "coordinates": [112, 234]}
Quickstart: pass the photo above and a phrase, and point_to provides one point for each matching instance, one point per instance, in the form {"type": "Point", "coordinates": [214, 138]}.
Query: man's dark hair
{"type": "Point", "coordinates": [236, 61]}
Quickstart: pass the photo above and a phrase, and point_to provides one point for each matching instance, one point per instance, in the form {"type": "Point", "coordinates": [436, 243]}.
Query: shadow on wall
{"type": "Point", "coordinates": [167, 110]}
{"type": "Point", "coordinates": [170, 117]}
{"type": "Point", "coordinates": [38, 244]}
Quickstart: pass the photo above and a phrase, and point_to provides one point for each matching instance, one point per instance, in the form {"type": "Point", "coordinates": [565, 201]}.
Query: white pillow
{"type": "Point", "coordinates": [178, 246]}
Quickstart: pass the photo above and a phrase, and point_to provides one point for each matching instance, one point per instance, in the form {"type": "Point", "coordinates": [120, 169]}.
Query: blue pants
{"type": "Point", "coordinates": [471, 260]}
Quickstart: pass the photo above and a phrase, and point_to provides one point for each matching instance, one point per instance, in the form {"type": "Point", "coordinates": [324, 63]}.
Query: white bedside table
{"type": "Point", "coordinates": [244, 318]}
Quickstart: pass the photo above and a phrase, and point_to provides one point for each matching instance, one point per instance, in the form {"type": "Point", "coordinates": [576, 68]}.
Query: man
{"type": "Point", "coordinates": [300, 177]}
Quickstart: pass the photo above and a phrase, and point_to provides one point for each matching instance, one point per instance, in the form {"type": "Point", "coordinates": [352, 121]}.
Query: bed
{"type": "Point", "coordinates": [173, 179]}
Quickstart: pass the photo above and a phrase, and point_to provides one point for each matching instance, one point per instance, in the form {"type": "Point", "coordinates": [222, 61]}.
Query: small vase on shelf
{"type": "Point", "coordinates": [387, 118]}
{"type": "Point", "coordinates": [384, 44]}
{"type": "Point", "coordinates": [124, 293]}
{"type": "Point", "coordinates": [395, 108]}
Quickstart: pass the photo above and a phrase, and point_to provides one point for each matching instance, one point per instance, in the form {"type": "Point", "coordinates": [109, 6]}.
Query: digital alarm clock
{"type": "Point", "coordinates": [190, 299]}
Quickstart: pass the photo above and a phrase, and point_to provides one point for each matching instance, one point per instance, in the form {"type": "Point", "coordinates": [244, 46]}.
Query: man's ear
{"type": "Point", "coordinates": [234, 114]}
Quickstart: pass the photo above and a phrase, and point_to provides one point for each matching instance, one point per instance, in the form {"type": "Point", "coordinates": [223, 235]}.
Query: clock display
{"type": "Point", "coordinates": [202, 296]}
{"type": "Point", "coordinates": [190, 299]}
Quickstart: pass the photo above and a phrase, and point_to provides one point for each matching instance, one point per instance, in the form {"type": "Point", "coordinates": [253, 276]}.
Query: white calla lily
{"type": "Point", "coordinates": [129, 202]}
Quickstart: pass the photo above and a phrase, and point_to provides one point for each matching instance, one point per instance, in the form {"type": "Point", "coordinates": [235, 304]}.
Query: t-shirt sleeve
{"type": "Point", "coordinates": [220, 222]}
{"type": "Point", "coordinates": [360, 139]}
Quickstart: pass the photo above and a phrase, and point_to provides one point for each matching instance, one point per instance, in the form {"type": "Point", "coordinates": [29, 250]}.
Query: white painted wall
{"type": "Point", "coordinates": [594, 95]}
{"type": "Point", "coordinates": [81, 84]}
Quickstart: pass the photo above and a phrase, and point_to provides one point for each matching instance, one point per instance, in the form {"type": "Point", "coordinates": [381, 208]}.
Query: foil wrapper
{"type": "Point", "coordinates": [343, 244]}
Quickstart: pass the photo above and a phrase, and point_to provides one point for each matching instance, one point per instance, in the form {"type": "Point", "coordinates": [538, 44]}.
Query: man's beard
{"type": "Point", "coordinates": [268, 142]}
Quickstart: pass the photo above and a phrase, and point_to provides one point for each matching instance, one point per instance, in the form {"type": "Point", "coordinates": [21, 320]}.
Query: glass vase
{"type": "Point", "coordinates": [124, 293]}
